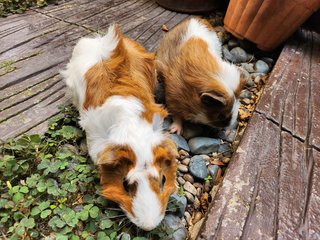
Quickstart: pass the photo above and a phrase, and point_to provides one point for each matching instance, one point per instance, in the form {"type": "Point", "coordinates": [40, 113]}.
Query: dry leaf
{"type": "Point", "coordinates": [165, 28]}
{"type": "Point", "coordinates": [204, 200]}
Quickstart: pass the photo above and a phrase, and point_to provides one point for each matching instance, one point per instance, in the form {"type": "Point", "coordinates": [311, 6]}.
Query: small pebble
{"type": "Point", "coordinates": [246, 94]}
{"type": "Point", "coordinates": [186, 161]}
{"type": "Point", "coordinates": [245, 101]}
{"type": "Point", "coordinates": [199, 192]}
{"type": "Point", "coordinates": [226, 160]}
{"type": "Point", "coordinates": [183, 153]}
{"type": "Point", "coordinates": [178, 204]}
{"type": "Point", "coordinates": [213, 171]}
{"type": "Point", "coordinates": [196, 203]}
{"type": "Point", "coordinates": [188, 178]}
{"type": "Point", "coordinates": [239, 55]}
{"type": "Point", "coordinates": [182, 168]}
{"type": "Point", "coordinates": [180, 142]}
{"type": "Point", "coordinates": [197, 217]}
{"type": "Point", "coordinates": [197, 185]}
{"type": "Point", "coordinates": [190, 188]}
{"type": "Point", "coordinates": [189, 197]}
{"type": "Point", "coordinates": [224, 148]}
{"type": "Point", "coordinates": [187, 217]}
{"type": "Point", "coordinates": [249, 67]}
{"type": "Point", "coordinates": [207, 187]}
{"type": "Point", "coordinates": [197, 167]}
{"type": "Point", "coordinates": [181, 180]}
{"type": "Point", "coordinates": [226, 53]}
{"type": "Point", "coordinates": [261, 67]}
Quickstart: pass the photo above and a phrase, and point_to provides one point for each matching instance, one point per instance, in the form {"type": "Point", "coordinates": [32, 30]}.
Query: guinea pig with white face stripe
{"type": "Point", "coordinates": [112, 80]}
{"type": "Point", "coordinates": [200, 86]}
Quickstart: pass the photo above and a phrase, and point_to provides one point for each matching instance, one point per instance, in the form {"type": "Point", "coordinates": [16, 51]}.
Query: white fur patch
{"type": "Point", "coordinates": [199, 30]}
{"type": "Point", "coordinates": [87, 53]}
{"type": "Point", "coordinates": [146, 206]}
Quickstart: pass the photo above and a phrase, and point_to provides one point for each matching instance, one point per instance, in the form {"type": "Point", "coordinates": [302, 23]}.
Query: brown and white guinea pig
{"type": "Point", "coordinates": [199, 86]}
{"type": "Point", "coordinates": [112, 79]}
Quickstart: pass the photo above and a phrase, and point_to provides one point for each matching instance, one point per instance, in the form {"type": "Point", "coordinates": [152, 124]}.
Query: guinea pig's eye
{"type": "Point", "coordinates": [125, 184]}
{"type": "Point", "coordinates": [163, 181]}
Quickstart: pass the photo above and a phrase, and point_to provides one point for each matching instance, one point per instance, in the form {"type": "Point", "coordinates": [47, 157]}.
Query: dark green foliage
{"type": "Point", "coordinates": [49, 187]}
{"type": "Point", "coordinates": [19, 6]}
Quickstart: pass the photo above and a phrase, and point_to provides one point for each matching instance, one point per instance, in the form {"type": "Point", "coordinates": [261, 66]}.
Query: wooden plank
{"type": "Point", "coordinates": [153, 41]}
{"type": "Point", "coordinates": [272, 187]}
{"type": "Point", "coordinates": [32, 101]}
{"type": "Point", "coordinates": [32, 117]}
{"type": "Point", "coordinates": [290, 92]}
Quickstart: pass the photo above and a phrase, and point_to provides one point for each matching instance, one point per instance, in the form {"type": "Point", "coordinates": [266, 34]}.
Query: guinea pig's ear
{"type": "Point", "coordinates": [212, 100]}
{"type": "Point", "coordinates": [113, 153]}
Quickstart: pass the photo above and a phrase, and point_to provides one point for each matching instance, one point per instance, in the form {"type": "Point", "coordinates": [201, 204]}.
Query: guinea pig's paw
{"type": "Point", "coordinates": [176, 128]}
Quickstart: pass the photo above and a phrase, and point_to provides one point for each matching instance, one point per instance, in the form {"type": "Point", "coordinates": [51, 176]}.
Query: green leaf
{"type": "Point", "coordinates": [35, 211]}
{"type": "Point", "coordinates": [113, 235]}
{"type": "Point", "coordinates": [102, 236]}
{"type": "Point", "coordinates": [105, 223]}
{"type": "Point", "coordinates": [61, 237]}
{"type": "Point", "coordinates": [27, 222]}
{"type": "Point", "coordinates": [33, 180]}
{"type": "Point", "coordinates": [75, 237]}
{"type": "Point", "coordinates": [20, 230]}
{"type": "Point", "coordinates": [35, 138]}
{"type": "Point", "coordinates": [17, 197]}
{"type": "Point", "coordinates": [140, 238]}
{"type": "Point", "coordinates": [24, 189]}
{"type": "Point", "coordinates": [44, 205]}
{"type": "Point", "coordinates": [84, 215]}
{"type": "Point", "coordinates": [45, 213]}
{"type": "Point", "coordinates": [90, 238]}
{"type": "Point", "coordinates": [94, 212]}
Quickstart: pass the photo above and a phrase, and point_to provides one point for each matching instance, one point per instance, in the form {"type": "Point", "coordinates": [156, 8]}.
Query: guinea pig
{"type": "Point", "coordinates": [112, 80]}
{"type": "Point", "coordinates": [200, 87]}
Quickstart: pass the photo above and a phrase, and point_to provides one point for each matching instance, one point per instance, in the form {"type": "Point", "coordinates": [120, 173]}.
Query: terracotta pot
{"type": "Point", "coordinates": [268, 23]}
{"type": "Point", "coordinates": [188, 6]}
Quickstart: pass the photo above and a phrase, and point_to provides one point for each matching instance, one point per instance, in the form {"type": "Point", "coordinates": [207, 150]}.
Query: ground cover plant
{"type": "Point", "coordinates": [19, 6]}
{"type": "Point", "coordinates": [50, 189]}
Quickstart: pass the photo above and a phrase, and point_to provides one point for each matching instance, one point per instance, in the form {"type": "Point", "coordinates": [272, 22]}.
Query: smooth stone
{"type": "Point", "coordinates": [207, 187]}
{"type": "Point", "coordinates": [190, 188]}
{"type": "Point", "coordinates": [189, 197]}
{"type": "Point", "coordinates": [226, 160]}
{"type": "Point", "coordinates": [186, 161]}
{"type": "Point", "coordinates": [256, 74]}
{"type": "Point", "coordinates": [181, 180]}
{"type": "Point", "coordinates": [187, 217]}
{"type": "Point", "coordinates": [180, 142]}
{"type": "Point", "coordinates": [226, 53]}
{"type": "Point", "coordinates": [224, 148]}
{"type": "Point", "coordinates": [174, 223]}
{"type": "Point", "coordinates": [183, 153]}
{"type": "Point", "coordinates": [197, 185]}
{"type": "Point", "coordinates": [248, 67]}
{"type": "Point", "coordinates": [188, 178]}
{"type": "Point", "coordinates": [261, 67]}
{"type": "Point", "coordinates": [191, 130]}
{"type": "Point", "coordinates": [197, 217]}
{"type": "Point", "coordinates": [199, 192]}
{"type": "Point", "coordinates": [203, 145]}
{"type": "Point", "coordinates": [232, 43]}
{"type": "Point", "coordinates": [178, 203]}
{"type": "Point", "coordinates": [245, 101]}
{"type": "Point", "coordinates": [166, 124]}
{"type": "Point", "coordinates": [182, 168]}
{"type": "Point", "coordinates": [239, 55]}
{"type": "Point", "coordinates": [197, 167]}
{"type": "Point", "coordinates": [196, 203]}
{"type": "Point", "coordinates": [213, 171]}
{"type": "Point", "coordinates": [246, 94]}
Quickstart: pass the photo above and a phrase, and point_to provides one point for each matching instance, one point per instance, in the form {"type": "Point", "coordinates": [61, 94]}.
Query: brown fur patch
{"type": "Point", "coordinates": [130, 71]}
{"type": "Point", "coordinates": [165, 163]}
{"type": "Point", "coordinates": [114, 163]}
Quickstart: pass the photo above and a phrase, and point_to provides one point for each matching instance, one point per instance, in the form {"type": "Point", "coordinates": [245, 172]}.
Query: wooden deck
{"type": "Point", "coordinates": [272, 187]}
{"type": "Point", "coordinates": [35, 45]}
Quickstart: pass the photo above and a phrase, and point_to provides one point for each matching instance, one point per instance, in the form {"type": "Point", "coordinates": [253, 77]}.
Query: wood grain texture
{"type": "Point", "coordinates": [271, 188]}
{"type": "Point", "coordinates": [36, 45]}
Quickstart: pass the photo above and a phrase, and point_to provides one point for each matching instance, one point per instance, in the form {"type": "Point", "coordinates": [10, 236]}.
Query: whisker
{"type": "Point", "coordinates": [114, 209]}
{"type": "Point", "coordinates": [126, 224]}
{"type": "Point", "coordinates": [122, 215]}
